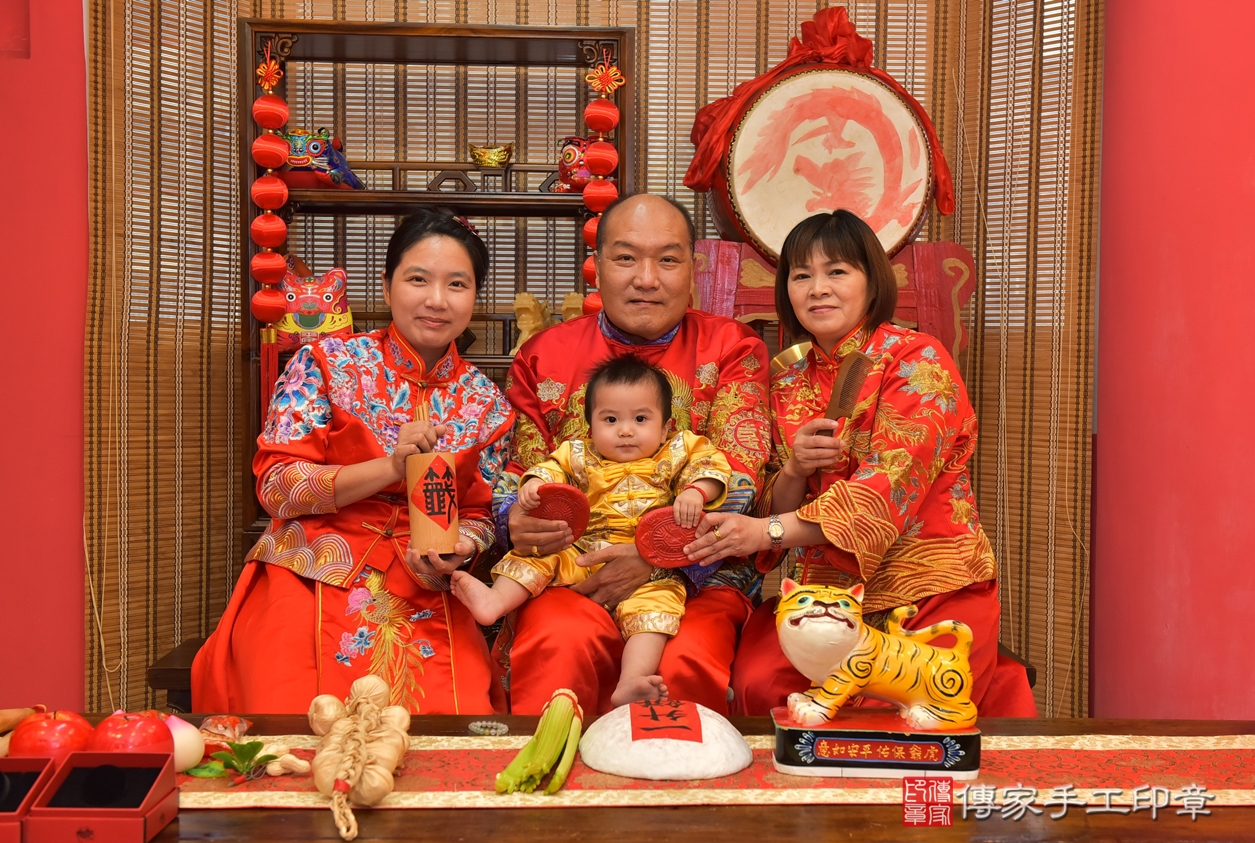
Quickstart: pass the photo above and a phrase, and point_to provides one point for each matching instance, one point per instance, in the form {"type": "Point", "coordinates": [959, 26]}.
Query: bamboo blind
{"type": "Point", "coordinates": [1012, 85]}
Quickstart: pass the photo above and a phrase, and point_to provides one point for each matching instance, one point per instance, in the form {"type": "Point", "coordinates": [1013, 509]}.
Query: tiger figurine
{"type": "Point", "coordinates": [822, 633]}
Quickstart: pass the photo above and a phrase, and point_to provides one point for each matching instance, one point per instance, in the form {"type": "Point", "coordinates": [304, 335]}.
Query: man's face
{"type": "Point", "coordinates": [645, 267]}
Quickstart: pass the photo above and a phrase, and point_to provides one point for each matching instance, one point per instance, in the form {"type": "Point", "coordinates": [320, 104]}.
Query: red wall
{"type": "Point", "coordinates": [43, 244]}
{"type": "Point", "coordinates": [1174, 546]}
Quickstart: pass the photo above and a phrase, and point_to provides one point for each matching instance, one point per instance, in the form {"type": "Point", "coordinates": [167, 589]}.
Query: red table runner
{"type": "Point", "coordinates": [457, 772]}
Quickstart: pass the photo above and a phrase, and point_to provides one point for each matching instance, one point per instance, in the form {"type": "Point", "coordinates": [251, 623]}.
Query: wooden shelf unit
{"type": "Point", "coordinates": [408, 43]}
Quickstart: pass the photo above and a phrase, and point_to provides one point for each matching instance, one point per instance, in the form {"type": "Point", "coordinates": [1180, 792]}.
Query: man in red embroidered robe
{"type": "Point", "coordinates": [566, 637]}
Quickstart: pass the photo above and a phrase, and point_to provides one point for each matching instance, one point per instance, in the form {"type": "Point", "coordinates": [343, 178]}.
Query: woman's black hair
{"type": "Point", "coordinates": [842, 236]}
{"type": "Point", "coordinates": [627, 369]}
{"type": "Point", "coordinates": [432, 222]}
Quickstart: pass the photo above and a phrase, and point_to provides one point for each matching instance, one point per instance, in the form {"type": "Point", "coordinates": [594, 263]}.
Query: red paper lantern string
{"type": "Point", "coordinates": [599, 193]}
{"type": "Point", "coordinates": [270, 111]}
{"type": "Point", "coordinates": [268, 267]}
{"type": "Point", "coordinates": [268, 305]}
{"type": "Point", "coordinates": [269, 192]}
{"type": "Point", "coordinates": [601, 116]}
{"type": "Point", "coordinates": [602, 158]}
{"type": "Point", "coordinates": [267, 230]}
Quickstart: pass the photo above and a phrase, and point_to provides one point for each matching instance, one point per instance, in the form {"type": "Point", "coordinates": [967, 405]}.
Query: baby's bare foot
{"type": "Point", "coordinates": [485, 604]}
{"type": "Point", "coordinates": [636, 688]}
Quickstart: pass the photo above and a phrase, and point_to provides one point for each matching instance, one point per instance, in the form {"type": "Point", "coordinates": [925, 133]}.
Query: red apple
{"type": "Point", "coordinates": [50, 734]}
{"type": "Point", "coordinates": [131, 733]}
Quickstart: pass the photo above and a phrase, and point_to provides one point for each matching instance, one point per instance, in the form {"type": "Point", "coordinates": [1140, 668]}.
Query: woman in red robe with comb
{"type": "Point", "coordinates": [882, 498]}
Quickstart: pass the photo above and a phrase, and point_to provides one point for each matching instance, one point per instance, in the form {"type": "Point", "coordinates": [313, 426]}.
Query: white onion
{"type": "Point", "coordinates": [189, 744]}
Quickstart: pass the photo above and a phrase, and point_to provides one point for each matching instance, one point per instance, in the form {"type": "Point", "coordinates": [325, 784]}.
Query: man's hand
{"type": "Point", "coordinates": [813, 450]}
{"type": "Point", "coordinates": [625, 571]}
{"type": "Point", "coordinates": [435, 564]}
{"type": "Point", "coordinates": [537, 536]}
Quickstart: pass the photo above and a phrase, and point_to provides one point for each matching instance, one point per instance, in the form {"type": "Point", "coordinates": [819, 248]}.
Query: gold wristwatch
{"type": "Point", "coordinates": [776, 531]}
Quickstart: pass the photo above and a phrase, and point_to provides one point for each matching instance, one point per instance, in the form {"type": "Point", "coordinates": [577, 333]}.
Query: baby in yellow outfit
{"type": "Point", "coordinates": [625, 469]}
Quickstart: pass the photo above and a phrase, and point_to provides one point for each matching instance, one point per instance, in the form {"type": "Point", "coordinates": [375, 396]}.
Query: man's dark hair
{"type": "Point", "coordinates": [684, 212]}
{"type": "Point", "coordinates": [629, 370]}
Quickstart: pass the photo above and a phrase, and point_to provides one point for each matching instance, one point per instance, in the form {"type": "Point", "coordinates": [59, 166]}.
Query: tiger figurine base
{"type": "Point", "coordinates": [822, 633]}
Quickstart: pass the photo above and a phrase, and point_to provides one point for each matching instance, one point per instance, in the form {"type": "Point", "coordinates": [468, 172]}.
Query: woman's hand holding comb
{"type": "Point", "coordinates": [814, 448]}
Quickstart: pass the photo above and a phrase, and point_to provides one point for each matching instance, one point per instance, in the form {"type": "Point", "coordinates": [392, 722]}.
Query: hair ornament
{"type": "Point", "coordinates": [467, 225]}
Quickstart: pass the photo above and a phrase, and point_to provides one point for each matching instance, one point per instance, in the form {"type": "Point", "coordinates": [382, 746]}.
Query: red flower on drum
{"type": "Point", "coordinates": [839, 181]}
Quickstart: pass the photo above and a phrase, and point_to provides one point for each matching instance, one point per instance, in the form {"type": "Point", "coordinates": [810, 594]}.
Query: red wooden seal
{"type": "Point", "coordinates": [560, 502]}
{"type": "Point", "coordinates": [661, 541]}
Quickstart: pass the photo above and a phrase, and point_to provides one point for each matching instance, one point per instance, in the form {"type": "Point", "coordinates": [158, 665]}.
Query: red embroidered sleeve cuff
{"type": "Point", "coordinates": [299, 488]}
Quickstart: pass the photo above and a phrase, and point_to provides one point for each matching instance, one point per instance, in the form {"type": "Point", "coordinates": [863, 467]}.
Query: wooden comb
{"type": "Point", "coordinates": [845, 389]}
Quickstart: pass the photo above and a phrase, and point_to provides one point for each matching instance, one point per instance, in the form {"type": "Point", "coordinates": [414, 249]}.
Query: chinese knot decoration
{"type": "Point", "coordinates": [601, 157]}
{"type": "Point", "coordinates": [268, 230]}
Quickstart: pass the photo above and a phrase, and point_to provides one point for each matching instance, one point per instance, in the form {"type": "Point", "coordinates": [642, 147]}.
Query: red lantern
{"type": "Point", "coordinates": [592, 303]}
{"type": "Point", "coordinates": [589, 271]}
{"type": "Point", "coordinates": [268, 267]}
{"type": "Point", "coordinates": [601, 116]}
{"type": "Point", "coordinates": [590, 232]}
{"type": "Point", "coordinates": [268, 230]}
{"type": "Point", "coordinates": [268, 305]}
{"type": "Point", "coordinates": [602, 158]}
{"type": "Point", "coordinates": [598, 194]}
{"type": "Point", "coordinates": [269, 192]}
{"type": "Point", "coordinates": [270, 151]}
{"type": "Point", "coordinates": [270, 111]}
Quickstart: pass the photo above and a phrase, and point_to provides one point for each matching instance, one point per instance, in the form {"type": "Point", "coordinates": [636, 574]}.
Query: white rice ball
{"type": "Point", "coordinates": [608, 747]}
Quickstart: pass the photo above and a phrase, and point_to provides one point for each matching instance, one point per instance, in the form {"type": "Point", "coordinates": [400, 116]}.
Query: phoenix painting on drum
{"type": "Point", "coordinates": [829, 139]}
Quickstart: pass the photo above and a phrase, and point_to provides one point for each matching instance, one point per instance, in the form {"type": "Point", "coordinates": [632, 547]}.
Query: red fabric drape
{"type": "Point", "coordinates": [829, 39]}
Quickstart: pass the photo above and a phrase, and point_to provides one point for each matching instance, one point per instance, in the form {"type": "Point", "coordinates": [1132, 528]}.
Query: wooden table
{"type": "Point", "coordinates": [734, 824]}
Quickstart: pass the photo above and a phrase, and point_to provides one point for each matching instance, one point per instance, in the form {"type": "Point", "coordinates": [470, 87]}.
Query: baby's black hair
{"type": "Point", "coordinates": [626, 369]}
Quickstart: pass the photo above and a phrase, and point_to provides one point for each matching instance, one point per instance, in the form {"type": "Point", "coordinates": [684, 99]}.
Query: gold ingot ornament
{"type": "Point", "coordinates": [491, 157]}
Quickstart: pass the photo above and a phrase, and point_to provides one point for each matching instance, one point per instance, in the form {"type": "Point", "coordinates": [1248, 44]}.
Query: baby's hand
{"type": "Point", "coordinates": [529, 494]}
{"type": "Point", "coordinates": [688, 508]}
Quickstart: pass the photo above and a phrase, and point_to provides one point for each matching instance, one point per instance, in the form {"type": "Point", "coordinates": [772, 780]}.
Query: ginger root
{"type": "Point", "coordinates": [360, 750]}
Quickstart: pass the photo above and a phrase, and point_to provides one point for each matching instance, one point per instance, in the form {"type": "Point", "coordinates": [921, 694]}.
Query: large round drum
{"type": "Point", "coordinates": [819, 140]}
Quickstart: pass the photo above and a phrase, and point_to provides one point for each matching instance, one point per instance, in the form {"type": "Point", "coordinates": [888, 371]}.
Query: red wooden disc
{"type": "Point", "coordinates": [661, 541]}
{"type": "Point", "coordinates": [560, 502]}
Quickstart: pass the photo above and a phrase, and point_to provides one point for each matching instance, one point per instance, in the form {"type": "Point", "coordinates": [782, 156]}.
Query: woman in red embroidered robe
{"type": "Point", "coordinates": [333, 591]}
{"type": "Point", "coordinates": [883, 498]}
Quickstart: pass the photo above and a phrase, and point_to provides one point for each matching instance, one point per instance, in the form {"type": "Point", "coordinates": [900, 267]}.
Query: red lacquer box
{"type": "Point", "coordinates": [106, 797]}
{"type": "Point", "coordinates": [21, 782]}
